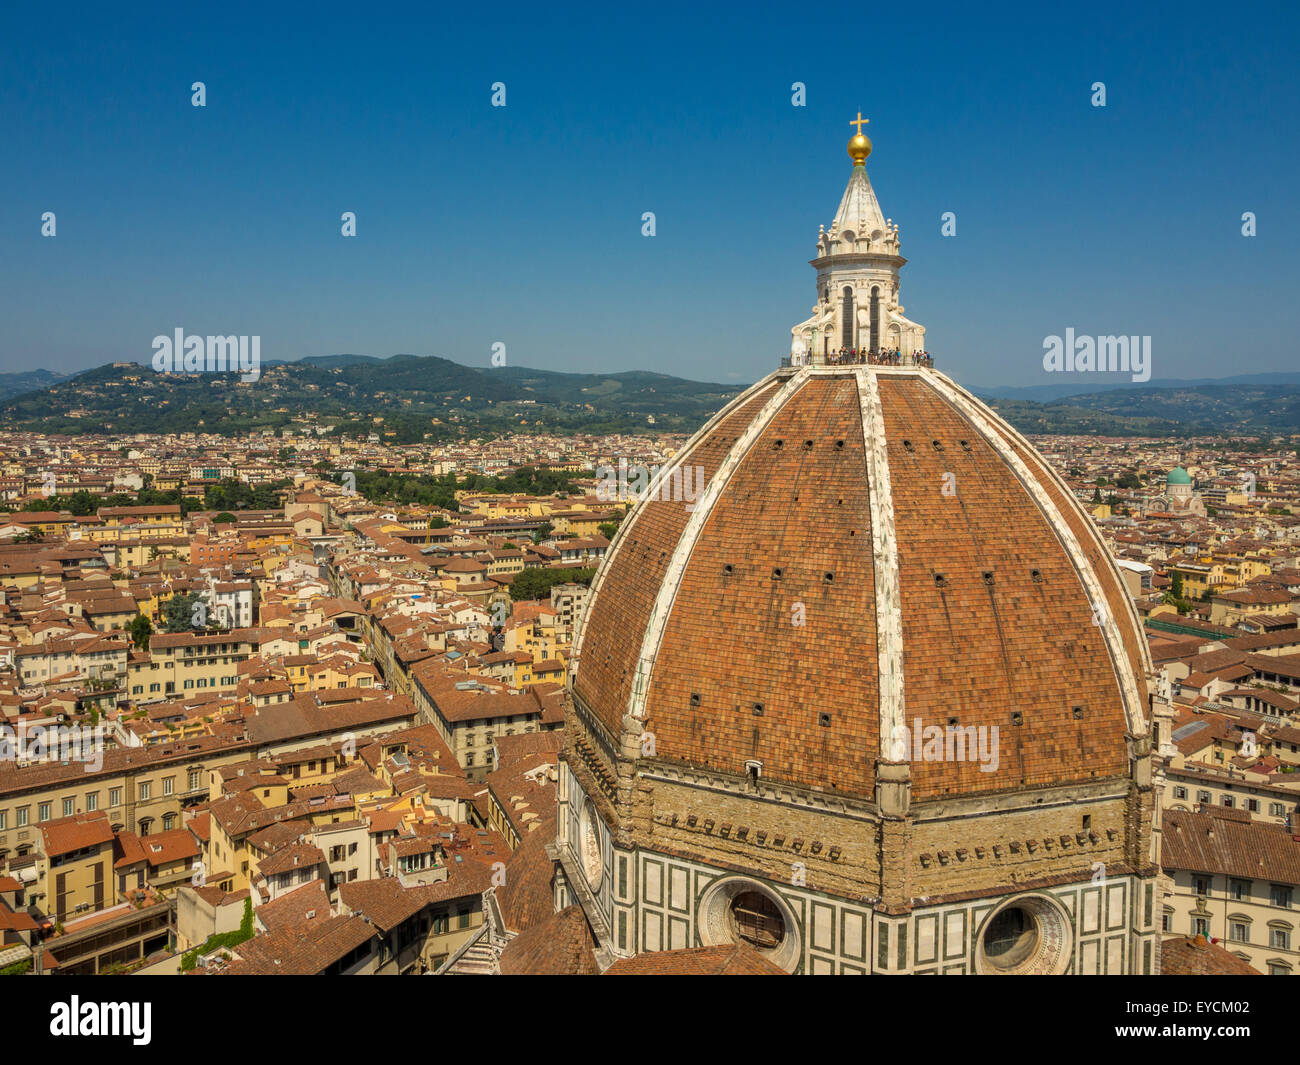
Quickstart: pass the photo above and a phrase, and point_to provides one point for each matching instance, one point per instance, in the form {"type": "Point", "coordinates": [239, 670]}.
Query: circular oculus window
{"type": "Point", "coordinates": [1027, 936]}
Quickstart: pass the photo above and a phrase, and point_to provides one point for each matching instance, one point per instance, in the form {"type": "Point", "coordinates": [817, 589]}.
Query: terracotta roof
{"type": "Point", "coordinates": [292, 908]}
{"type": "Point", "coordinates": [1217, 840]}
{"type": "Point", "coordinates": [294, 856]}
{"type": "Point", "coordinates": [559, 945]}
{"type": "Point", "coordinates": [1196, 956]}
{"type": "Point", "coordinates": [386, 904]}
{"type": "Point", "coordinates": [512, 748]}
{"type": "Point", "coordinates": [69, 834]}
{"type": "Point", "coordinates": [730, 960]}
{"type": "Point", "coordinates": [161, 848]}
{"type": "Point", "coordinates": [300, 950]}
{"type": "Point", "coordinates": [526, 897]}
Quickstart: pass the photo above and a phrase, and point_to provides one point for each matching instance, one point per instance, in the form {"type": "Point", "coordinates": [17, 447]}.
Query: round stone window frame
{"type": "Point", "coordinates": [1053, 948]}
{"type": "Point", "coordinates": [714, 921]}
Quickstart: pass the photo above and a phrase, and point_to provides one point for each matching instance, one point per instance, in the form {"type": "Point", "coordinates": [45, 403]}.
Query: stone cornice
{"type": "Point", "coordinates": [857, 258]}
{"type": "Point", "coordinates": [763, 791]}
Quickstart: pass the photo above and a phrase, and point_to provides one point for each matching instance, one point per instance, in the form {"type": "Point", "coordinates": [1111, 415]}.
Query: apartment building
{"type": "Point", "coordinates": [1234, 879]}
{"type": "Point", "coordinates": [187, 662]}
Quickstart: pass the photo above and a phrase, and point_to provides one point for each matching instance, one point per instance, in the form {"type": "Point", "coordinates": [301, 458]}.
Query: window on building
{"type": "Point", "coordinates": [146, 789]}
{"type": "Point", "coordinates": [1238, 888]}
{"type": "Point", "coordinates": [1279, 938]}
{"type": "Point", "coordinates": [1201, 884]}
{"type": "Point", "coordinates": [1276, 809]}
{"type": "Point", "coordinates": [1180, 792]}
{"type": "Point", "coordinates": [169, 785]}
{"type": "Point", "coordinates": [1203, 796]}
{"type": "Point", "coordinates": [1200, 926]}
{"type": "Point", "coordinates": [114, 796]}
{"type": "Point", "coordinates": [69, 807]}
{"type": "Point", "coordinates": [43, 812]}
{"type": "Point", "coordinates": [1239, 932]}
{"type": "Point", "coordinates": [1280, 895]}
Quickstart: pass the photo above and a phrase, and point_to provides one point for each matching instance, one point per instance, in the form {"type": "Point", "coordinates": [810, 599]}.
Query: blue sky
{"type": "Point", "coordinates": [522, 224]}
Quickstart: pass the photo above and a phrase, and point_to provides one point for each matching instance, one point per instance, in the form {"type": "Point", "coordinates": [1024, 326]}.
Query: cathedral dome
{"type": "Point", "coordinates": [843, 559]}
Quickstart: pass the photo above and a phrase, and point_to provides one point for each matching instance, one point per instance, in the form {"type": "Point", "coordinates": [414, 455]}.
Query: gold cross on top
{"type": "Point", "coordinates": [859, 121]}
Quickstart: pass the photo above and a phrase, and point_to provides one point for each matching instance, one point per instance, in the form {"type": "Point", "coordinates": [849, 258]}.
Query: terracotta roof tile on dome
{"type": "Point", "coordinates": [1196, 956]}
{"type": "Point", "coordinates": [748, 626]}
{"type": "Point", "coordinates": [638, 568]}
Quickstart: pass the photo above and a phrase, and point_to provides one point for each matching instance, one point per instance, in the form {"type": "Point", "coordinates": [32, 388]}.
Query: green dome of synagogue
{"type": "Point", "coordinates": [1178, 475]}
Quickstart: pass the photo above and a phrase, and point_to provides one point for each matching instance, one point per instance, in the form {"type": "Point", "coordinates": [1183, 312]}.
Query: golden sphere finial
{"type": "Point", "coordinates": [859, 145]}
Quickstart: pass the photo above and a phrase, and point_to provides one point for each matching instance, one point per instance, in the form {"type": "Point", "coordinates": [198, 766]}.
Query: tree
{"type": "Point", "coordinates": [140, 629]}
{"type": "Point", "coordinates": [536, 583]}
{"type": "Point", "coordinates": [224, 518]}
{"type": "Point", "coordinates": [179, 614]}
{"type": "Point", "coordinates": [543, 531]}
{"type": "Point", "coordinates": [82, 504]}
{"type": "Point", "coordinates": [607, 529]}
{"type": "Point", "coordinates": [1176, 584]}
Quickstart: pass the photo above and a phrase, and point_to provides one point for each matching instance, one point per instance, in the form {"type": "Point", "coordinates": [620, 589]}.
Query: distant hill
{"type": "Point", "coordinates": [1219, 408]}
{"type": "Point", "coordinates": [1065, 385]}
{"type": "Point", "coordinates": [15, 384]}
{"type": "Point", "coordinates": [428, 397]}
{"type": "Point", "coordinates": [416, 397]}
